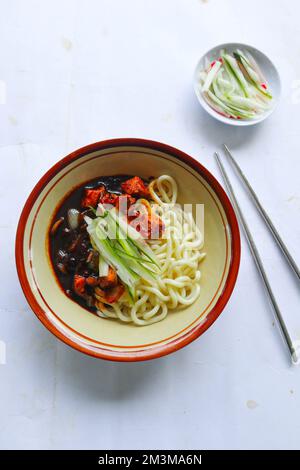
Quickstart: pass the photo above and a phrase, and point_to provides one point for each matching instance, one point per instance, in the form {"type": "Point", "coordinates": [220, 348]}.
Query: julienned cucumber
{"type": "Point", "coordinates": [122, 247]}
{"type": "Point", "coordinates": [234, 86]}
{"type": "Point", "coordinates": [251, 74]}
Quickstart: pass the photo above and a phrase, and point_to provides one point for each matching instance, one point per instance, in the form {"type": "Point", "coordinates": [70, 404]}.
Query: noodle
{"type": "Point", "coordinates": [179, 254]}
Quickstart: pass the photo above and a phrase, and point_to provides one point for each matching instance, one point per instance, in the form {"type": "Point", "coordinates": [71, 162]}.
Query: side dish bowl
{"type": "Point", "coordinates": [266, 66]}
{"type": "Point", "coordinates": [105, 338]}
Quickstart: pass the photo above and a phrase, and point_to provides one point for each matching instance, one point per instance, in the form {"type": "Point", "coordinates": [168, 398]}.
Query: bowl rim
{"type": "Point", "coordinates": [215, 114]}
{"type": "Point", "coordinates": [181, 341]}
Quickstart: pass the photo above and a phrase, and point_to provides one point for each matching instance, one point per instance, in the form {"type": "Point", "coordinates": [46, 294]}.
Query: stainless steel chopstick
{"type": "Point", "coordinates": [259, 263]}
{"type": "Point", "coordinates": [263, 213]}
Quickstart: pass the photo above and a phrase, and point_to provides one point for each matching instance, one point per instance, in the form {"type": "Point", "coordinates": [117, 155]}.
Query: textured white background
{"type": "Point", "coordinates": [81, 71]}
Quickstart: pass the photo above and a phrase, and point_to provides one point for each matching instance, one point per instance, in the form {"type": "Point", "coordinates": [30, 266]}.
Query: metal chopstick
{"type": "Point", "coordinates": [263, 213]}
{"type": "Point", "coordinates": [259, 263]}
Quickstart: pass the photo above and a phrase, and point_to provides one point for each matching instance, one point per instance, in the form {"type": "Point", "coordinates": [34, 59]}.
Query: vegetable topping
{"type": "Point", "coordinates": [235, 87]}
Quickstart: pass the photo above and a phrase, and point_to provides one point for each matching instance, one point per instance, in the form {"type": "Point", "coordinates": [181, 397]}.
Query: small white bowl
{"type": "Point", "coordinates": [267, 67]}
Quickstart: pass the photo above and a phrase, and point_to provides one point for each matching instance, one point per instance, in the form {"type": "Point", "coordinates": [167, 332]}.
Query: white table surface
{"type": "Point", "coordinates": [76, 72]}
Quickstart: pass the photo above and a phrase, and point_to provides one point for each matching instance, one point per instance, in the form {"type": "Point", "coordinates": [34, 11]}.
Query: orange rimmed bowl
{"type": "Point", "coordinates": [109, 339]}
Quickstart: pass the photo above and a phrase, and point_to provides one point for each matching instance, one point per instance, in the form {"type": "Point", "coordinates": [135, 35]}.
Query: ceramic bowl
{"type": "Point", "coordinates": [110, 339]}
{"type": "Point", "coordinates": [267, 67]}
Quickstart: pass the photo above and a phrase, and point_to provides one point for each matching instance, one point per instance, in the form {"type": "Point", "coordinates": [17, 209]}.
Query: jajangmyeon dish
{"type": "Point", "coordinates": [124, 249]}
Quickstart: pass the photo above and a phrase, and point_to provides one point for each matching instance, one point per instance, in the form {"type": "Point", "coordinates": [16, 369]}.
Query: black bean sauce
{"type": "Point", "coordinates": [70, 250]}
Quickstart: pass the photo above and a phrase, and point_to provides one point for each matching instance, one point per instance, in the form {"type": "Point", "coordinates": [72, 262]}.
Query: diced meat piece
{"type": "Point", "coordinates": [135, 187]}
{"type": "Point", "coordinates": [109, 198]}
{"type": "Point", "coordinates": [124, 202]}
{"type": "Point", "coordinates": [91, 196]}
{"type": "Point", "coordinates": [92, 281]}
{"type": "Point", "coordinates": [140, 207]}
{"type": "Point", "coordinates": [150, 226]}
{"type": "Point", "coordinates": [141, 224]}
{"type": "Point", "coordinates": [111, 280]}
{"type": "Point", "coordinates": [113, 295]}
{"type": "Point", "coordinates": [79, 284]}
